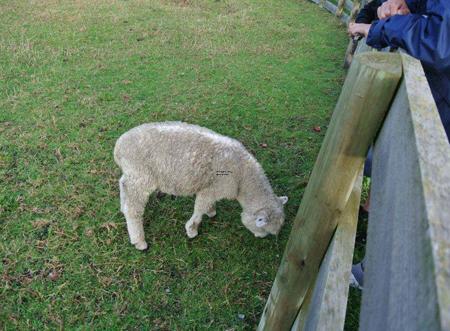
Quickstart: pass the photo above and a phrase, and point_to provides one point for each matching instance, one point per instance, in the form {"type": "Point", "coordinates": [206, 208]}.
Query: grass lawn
{"type": "Point", "coordinates": [75, 75]}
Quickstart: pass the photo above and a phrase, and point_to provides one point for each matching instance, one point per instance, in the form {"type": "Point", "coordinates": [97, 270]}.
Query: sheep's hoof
{"type": "Point", "coordinates": [142, 246]}
{"type": "Point", "coordinates": [191, 231]}
{"type": "Point", "coordinates": [211, 214]}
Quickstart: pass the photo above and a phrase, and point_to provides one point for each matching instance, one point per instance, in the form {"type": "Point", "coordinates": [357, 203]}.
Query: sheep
{"type": "Point", "coordinates": [183, 160]}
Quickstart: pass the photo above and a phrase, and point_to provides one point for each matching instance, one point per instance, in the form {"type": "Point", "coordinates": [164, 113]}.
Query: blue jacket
{"type": "Point", "coordinates": [368, 13]}
{"type": "Point", "coordinates": [425, 35]}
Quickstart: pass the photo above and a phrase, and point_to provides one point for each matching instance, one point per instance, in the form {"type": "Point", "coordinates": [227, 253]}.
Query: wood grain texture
{"type": "Point", "coordinates": [355, 9]}
{"type": "Point", "coordinates": [344, 18]}
{"type": "Point", "coordinates": [331, 7]}
{"type": "Point", "coordinates": [349, 5]}
{"type": "Point", "coordinates": [325, 310]}
{"type": "Point", "coordinates": [302, 316]}
{"type": "Point", "coordinates": [407, 279]}
{"type": "Point", "coordinates": [363, 47]}
{"type": "Point", "coordinates": [340, 8]}
{"type": "Point", "coordinates": [351, 51]}
{"type": "Point", "coordinates": [369, 87]}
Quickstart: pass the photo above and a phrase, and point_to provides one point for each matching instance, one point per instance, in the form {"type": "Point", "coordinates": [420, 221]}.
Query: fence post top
{"type": "Point", "coordinates": [389, 62]}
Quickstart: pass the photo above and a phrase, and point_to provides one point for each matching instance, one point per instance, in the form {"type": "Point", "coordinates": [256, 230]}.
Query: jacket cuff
{"type": "Point", "coordinates": [375, 36]}
{"type": "Point", "coordinates": [412, 5]}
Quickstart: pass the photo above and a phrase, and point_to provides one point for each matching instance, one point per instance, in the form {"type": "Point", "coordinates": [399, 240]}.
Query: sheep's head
{"type": "Point", "coordinates": [267, 220]}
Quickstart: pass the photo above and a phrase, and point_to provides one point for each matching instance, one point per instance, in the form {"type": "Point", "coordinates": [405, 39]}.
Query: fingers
{"type": "Point", "coordinates": [353, 29]}
{"type": "Point", "coordinates": [357, 29]}
{"type": "Point", "coordinates": [384, 11]}
{"type": "Point", "coordinates": [404, 10]}
{"type": "Point", "coordinates": [391, 8]}
{"type": "Point", "coordinates": [350, 29]}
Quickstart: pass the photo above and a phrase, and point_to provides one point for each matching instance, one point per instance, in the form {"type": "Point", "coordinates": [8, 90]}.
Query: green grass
{"type": "Point", "coordinates": [74, 76]}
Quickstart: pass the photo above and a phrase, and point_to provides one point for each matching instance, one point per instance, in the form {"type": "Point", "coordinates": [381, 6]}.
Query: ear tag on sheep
{"type": "Point", "coordinates": [260, 222]}
{"type": "Point", "coordinates": [283, 199]}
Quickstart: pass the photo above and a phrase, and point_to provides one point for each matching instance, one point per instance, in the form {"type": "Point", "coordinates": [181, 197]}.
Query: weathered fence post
{"type": "Point", "coordinates": [369, 87]}
{"type": "Point", "coordinates": [407, 278]}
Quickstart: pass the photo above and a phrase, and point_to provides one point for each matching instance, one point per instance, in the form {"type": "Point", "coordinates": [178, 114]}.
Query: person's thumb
{"type": "Point", "coordinates": [404, 10]}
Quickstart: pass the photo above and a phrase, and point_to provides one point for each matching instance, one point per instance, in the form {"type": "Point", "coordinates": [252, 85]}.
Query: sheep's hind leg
{"type": "Point", "coordinates": [204, 204]}
{"type": "Point", "coordinates": [133, 198]}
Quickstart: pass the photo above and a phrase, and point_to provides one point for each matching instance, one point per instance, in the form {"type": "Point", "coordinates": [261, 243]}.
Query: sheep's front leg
{"type": "Point", "coordinates": [133, 198]}
{"type": "Point", "coordinates": [212, 211]}
{"type": "Point", "coordinates": [204, 204]}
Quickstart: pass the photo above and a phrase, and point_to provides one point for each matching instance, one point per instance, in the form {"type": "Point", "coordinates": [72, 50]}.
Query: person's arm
{"type": "Point", "coordinates": [416, 6]}
{"type": "Point", "coordinates": [423, 37]}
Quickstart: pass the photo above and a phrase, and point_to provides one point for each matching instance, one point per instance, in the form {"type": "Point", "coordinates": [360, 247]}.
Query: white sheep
{"type": "Point", "coordinates": [183, 159]}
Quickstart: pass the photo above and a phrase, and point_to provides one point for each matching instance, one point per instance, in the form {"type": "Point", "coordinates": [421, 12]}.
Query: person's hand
{"type": "Point", "coordinates": [355, 29]}
{"type": "Point", "coordinates": [391, 8]}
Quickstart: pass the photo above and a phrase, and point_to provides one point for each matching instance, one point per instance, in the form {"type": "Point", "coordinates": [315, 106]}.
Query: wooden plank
{"type": "Point", "coordinates": [351, 51]}
{"type": "Point", "coordinates": [348, 5]}
{"type": "Point", "coordinates": [340, 8]}
{"type": "Point", "coordinates": [331, 7]}
{"type": "Point", "coordinates": [407, 279]}
{"type": "Point", "coordinates": [326, 309]}
{"type": "Point", "coordinates": [363, 47]}
{"type": "Point", "coordinates": [366, 94]}
{"type": "Point", "coordinates": [345, 19]}
{"type": "Point", "coordinates": [302, 316]}
{"type": "Point", "coordinates": [355, 9]}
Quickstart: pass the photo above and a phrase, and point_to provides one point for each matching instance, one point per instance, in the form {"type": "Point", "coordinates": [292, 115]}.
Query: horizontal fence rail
{"type": "Point", "coordinates": [407, 279]}
{"type": "Point", "coordinates": [345, 10]}
{"type": "Point", "coordinates": [325, 304]}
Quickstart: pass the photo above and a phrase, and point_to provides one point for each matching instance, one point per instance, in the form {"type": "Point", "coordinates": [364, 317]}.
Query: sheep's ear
{"type": "Point", "coordinates": [261, 221]}
{"type": "Point", "coordinates": [283, 199]}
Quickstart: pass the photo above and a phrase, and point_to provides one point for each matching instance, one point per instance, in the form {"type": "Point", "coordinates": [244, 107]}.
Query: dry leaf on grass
{"type": "Point", "coordinates": [40, 223]}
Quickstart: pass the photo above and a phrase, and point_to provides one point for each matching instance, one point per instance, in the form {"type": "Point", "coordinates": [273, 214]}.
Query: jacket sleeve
{"type": "Point", "coordinates": [368, 13]}
{"type": "Point", "coordinates": [425, 37]}
{"type": "Point", "coordinates": [412, 5]}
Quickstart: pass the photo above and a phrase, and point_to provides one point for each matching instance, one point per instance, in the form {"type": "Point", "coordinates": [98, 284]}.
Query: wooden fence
{"type": "Point", "coordinates": [345, 10]}
{"type": "Point", "coordinates": [407, 276]}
